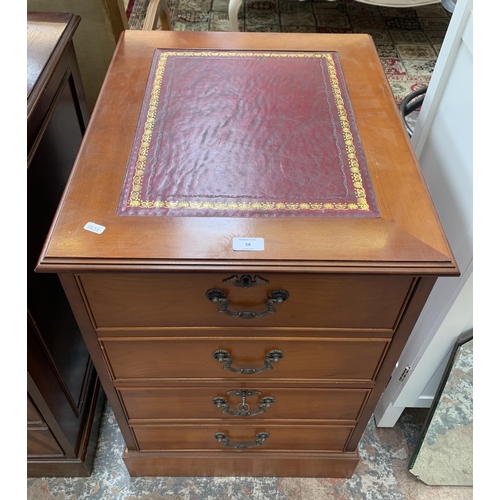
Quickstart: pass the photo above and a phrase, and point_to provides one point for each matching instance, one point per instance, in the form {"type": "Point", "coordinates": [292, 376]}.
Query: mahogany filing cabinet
{"type": "Point", "coordinates": [219, 359]}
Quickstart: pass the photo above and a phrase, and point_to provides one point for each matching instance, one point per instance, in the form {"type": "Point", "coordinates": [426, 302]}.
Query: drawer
{"type": "Point", "coordinates": [42, 443]}
{"type": "Point", "coordinates": [167, 358]}
{"type": "Point", "coordinates": [179, 299]}
{"type": "Point", "coordinates": [248, 438]}
{"type": "Point", "coordinates": [254, 403]}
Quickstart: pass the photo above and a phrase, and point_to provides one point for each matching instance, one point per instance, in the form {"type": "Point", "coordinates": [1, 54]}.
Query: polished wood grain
{"type": "Point", "coordinates": [406, 239]}
{"type": "Point", "coordinates": [227, 463]}
{"type": "Point", "coordinates": [149, 403]}
{"type": "Point", "coordinates": [319, 359]}
{"type": "Point", "coordinates": [41, 443]}
{"type": "Point", "coordinates": [40, 46]}
{"type": "Point", "coordinates": [176, 299]}
{"type": "Point", "coordinates": [414, 308]}
{"type": "Point", "coordinates": [200, 436]}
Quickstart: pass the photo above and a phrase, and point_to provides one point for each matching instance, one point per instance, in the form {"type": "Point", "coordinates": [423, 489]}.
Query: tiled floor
{"type": "Point", "coordinates": [382, 474]}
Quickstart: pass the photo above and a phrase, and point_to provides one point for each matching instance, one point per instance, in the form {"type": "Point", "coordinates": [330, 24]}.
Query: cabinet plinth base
{"type": "Point", "coordinates": [224, 464]}
{"type": "Point", "coordinates": [82, 465]}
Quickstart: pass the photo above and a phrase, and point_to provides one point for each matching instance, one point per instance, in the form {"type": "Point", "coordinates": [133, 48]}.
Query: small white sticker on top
{"type": "Point", "coordinates": [94, 228]}
{"type": "Point", "coordinates": [248, 244]}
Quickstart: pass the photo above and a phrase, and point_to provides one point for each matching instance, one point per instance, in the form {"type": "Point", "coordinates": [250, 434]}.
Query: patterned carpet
{"type": "Point", "coordinates": [408, 40]}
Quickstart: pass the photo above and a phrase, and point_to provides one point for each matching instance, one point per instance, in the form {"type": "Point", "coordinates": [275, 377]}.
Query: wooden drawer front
{"type": "Point", "coordinates": [33, 416]}
{"type": "Point", "coordinates": [42, 443]}
{"type": "Point", "coordinates": [289, 403]}
{"type": "Point", "coordinates": [202, 437]}
{"type": "Point", "coordinates": [331, 359]}
{"type": "Point", "coordinates": [159, 300]}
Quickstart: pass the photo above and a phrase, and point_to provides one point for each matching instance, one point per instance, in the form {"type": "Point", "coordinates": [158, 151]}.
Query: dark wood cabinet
{"type": "Point", "coordinates": [65, 398]}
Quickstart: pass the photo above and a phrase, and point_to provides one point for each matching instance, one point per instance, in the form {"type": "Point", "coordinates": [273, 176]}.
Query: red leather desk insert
{"type": "Point", "coordinates": [247, 134]}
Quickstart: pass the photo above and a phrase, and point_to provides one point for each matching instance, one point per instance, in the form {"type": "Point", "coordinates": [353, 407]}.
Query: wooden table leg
{"type": "Point", "coordinates": [164, 16]}
{"type": "Point", "coordinates": [157, 9]}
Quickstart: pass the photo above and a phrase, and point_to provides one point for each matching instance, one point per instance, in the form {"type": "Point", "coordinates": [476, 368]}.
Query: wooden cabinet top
{"type": "Point", "coordinates": [407, 237]}
{"type": "Point", "coordinates": [47, 36]}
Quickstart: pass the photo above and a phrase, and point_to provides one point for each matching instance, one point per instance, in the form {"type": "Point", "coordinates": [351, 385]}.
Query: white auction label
{"type": "Point", "coordinates": [249, 244]}
{"type": "Point", "coordinates": [94, 228]}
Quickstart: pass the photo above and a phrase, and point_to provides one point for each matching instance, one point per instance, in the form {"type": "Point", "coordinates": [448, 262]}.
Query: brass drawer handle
{"type": "Point", "coordinates": [219, 297]}
{"type": "Point", "coordinates": [272, 357]}
{"type": "Point", "coordinates": [243, 408]}
{"type": "Point", "coordinates": [260, 438]}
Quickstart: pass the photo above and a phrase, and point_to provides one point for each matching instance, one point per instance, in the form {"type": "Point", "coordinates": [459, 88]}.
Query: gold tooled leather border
{"type": "Point", "coordinates": [136, 201]}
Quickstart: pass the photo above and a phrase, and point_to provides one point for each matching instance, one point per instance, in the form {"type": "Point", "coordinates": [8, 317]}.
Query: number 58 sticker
{"type": "Point", "coordinates": [248, 244]}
